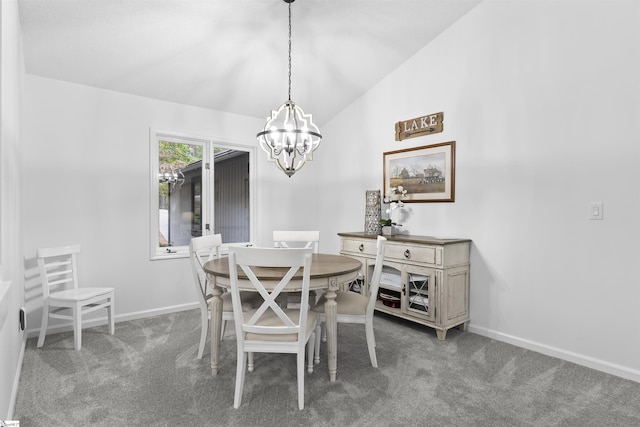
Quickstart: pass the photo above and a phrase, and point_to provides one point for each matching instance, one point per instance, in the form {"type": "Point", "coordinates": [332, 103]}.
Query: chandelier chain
{"type": "Point", "coordinates": [289, 51]}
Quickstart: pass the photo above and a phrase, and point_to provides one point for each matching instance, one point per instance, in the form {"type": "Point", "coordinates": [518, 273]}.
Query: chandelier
{"type": "Point", "coordinates": [172, 177]}
{"type": "Point", "coordinates": [289, 137]}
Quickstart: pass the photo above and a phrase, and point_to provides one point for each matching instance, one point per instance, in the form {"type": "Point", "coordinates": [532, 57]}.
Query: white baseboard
{"type": "Point", "coordinates": [16, 382]}
{"type": "Point", "coordinates": [156, 312]}
{"type": "Point", "coordinates": [580, 359]}
{"type": "Point", "coordinates": [64, 327]}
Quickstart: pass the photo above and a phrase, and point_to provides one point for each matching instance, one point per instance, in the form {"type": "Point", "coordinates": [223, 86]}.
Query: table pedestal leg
{"type": "Point", "coordinates": [330, 313]}
{"type": "Point", "coordinates": [216, 326]}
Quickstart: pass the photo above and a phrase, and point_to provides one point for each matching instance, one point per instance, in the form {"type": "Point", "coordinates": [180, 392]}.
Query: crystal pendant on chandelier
{"type": "Point", "coordinates": [289, 137]}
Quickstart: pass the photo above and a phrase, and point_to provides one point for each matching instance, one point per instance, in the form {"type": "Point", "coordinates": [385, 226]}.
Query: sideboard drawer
{"type": "Point", "coordinates": [421, 254]}
{"type": "Point", "coordinates": [360, 246]}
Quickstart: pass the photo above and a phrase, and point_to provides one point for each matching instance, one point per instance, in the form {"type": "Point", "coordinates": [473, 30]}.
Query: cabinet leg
{"type": "Point", "coordinates": [442, 334]}
{"type": "Point", "coordinates": [462, 327]}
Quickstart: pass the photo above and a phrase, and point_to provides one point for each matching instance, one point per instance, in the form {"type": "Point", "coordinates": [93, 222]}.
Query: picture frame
{"type": "Point", "coordinates": [427, 173]}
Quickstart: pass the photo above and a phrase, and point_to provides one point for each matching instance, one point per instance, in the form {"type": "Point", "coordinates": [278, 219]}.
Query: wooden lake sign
{"type": "Point", "coordinates": [420, 126]}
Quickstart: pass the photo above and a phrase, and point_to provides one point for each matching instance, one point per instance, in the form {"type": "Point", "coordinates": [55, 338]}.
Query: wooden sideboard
{"type": "Point", "coordinates": [424, 279]}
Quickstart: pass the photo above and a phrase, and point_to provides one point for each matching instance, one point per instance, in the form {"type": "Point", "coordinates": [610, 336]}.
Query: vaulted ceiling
{"type": "Point", "coordinates": [231, 55]}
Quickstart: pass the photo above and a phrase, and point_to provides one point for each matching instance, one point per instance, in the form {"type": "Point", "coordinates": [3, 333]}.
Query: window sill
{"type": "Point", "coordinates": [170, 255]}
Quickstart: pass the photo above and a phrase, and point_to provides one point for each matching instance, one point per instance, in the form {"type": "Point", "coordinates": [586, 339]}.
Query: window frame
{"type": "Point", "coordinates": [207, 191]}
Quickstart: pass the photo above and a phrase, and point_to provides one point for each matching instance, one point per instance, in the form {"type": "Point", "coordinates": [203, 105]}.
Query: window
{"type": "Point", "coordinates": [198, 187]}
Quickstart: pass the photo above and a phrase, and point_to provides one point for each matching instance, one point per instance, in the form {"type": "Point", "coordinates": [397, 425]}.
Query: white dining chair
{"type": "Point", "coordinates": [271, 328]}
{"type": "Point", "coordinates": [354, 307]}
{"type": "Point", "coordinates": [62, 298]}
{"type": "Point", "coordinates": [201, 250]}
{"type": "Point", "coordinates": [296, 239]}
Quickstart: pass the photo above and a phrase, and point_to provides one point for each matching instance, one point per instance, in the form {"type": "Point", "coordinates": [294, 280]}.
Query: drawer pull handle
{"type": "Point", "coordinates": [361, 247]}
{"type": "Point", "coordinates": [407, 254]}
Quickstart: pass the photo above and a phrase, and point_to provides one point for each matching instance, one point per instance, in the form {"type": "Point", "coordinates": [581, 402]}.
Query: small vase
{"type": "Point", "coordinates": [388, 230]}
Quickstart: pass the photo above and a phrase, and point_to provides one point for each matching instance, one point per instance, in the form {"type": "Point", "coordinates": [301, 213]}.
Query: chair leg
{"type": "Point", "coordinates": [324, 332]}
{"type": "Point", "coordinates": [240, 370]}
{"type": "Point", "coordinates": [204, 327]}
{"type": "Point", "coordinates": [112, 317]}
{"type": "Point", "coordinates": [300, 369]}
{"type": "Point", "coordinates": [250, 367]}
{"type": "Point", "coordinates": [310, 351]}
{"type": "Point", "coordinates": [44, 324]}
{"type": "Point", "coordinates": [371, 342]}
{"type": "Point", "coordinates": [77, 327]}
{"type": "Point", "coordinates": [316, 358]}
{"type": "Point", "coordinates": [224, 325]}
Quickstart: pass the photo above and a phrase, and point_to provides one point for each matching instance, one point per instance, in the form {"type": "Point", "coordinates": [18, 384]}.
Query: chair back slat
{"type": "Point", "coordinates": [59, 282]}
{"type": "Point", "coordinates": [58, 251]}
{"type": "Point", "coordinates": [57, 263]}
{"type": "Point", "coordinates": [296, 239]}
{"type": "Point", "coordinates": [54, 273]}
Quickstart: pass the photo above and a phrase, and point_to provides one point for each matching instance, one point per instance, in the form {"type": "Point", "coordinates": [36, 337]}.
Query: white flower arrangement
{"type": "Point", "coordinates": [393, 205]}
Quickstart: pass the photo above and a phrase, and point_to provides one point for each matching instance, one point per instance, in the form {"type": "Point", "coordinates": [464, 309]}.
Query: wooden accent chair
{"type": "Point", "coordinates": [61, 296]}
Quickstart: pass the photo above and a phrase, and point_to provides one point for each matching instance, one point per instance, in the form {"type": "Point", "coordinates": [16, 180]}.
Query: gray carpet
{"type": "Point", "coordinates": [148, 375]}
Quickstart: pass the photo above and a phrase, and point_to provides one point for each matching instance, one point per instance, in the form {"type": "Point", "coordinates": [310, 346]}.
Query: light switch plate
{"type": "Point", "coordinates": [596, 210]}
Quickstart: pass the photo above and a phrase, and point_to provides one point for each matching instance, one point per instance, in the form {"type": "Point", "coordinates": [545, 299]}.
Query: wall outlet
{"type": "Point", "coordinates": [22, 319]}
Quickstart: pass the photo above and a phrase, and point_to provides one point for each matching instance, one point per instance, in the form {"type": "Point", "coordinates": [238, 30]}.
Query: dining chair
{"type": "Point", "coordinates": [293, 238]}
{"type": "Point", "coordinates": [271, 328]}
{"type": "Point", "coordinates": [296, 239]}
{"type": "Point", "coordinates": [354, 307]}
{"type": "Point", "coordinates": [62, 298]}
{"type": "Point", "coordinates": [201, 250]}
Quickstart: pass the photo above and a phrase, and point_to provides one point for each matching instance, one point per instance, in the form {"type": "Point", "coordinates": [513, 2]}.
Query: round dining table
{"type": "Point", "coordinates": [328, 272]}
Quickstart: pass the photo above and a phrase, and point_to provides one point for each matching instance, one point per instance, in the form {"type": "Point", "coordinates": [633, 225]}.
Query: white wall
{"type": "Point", "coordinates": [543, 101]}
{"type": "Point", "coordinates": [11, 276]}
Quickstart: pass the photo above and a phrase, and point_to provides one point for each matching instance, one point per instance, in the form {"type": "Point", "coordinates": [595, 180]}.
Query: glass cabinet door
{"type": "Point", "coordinates": [419, 292]}
{"type": "Point", "coordinates": [389, 292]}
